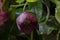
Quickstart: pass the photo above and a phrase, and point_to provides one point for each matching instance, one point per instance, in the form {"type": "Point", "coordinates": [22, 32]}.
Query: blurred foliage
{"type": "Point", "coordinates": [47, 13]}
{"type": "Point", "coordinates": [57, 14]}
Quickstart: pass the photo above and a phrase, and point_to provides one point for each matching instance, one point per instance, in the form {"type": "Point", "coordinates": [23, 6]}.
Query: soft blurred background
{"type": "Point", "coordinates": [47, 13]}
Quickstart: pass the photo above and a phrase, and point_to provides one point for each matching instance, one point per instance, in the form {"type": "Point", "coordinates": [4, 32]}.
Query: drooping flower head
{"type": "Point", "coordinates": [27, 22]}
{"type": "Point", "coordinates": [3, 14]}
{"type": "Point", "coordinates": [3, 17]}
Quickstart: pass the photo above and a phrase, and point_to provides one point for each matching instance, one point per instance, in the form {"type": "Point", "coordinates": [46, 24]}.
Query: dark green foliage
{"type": "Point", "coordinates": [44, 10]}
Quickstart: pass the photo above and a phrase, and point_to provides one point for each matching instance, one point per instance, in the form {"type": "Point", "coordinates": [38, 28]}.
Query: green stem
{"type": "Point", "coordinates": [12, 27]}
{"type": "Point", "coordinates": [38, 32]}
{"type": "Point", "coordinates": [24, 6]}
{"type": "Point", "coordinates": [13, 21]}
{"type": "Point", "coordinates": [16, 5]}
{"type": "Point", "coordinates": [32, 35]}
{"type": "Point", "coordinates": [47, 16]}
{"type": "Point", "coordinates": [11, 30]}
{"type": "Point", "coordinates": [57, 36]}
{"type": "Point", "coordinates": [43, 37]}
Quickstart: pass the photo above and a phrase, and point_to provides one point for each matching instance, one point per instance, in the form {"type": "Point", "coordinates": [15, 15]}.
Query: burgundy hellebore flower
{"type": "Point", "coordinates": [27, 22]}
{"type": "Point", "coordinates": [3, 15]}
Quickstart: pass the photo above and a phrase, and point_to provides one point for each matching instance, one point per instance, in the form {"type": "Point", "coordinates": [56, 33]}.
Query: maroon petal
{"type": "Point", "coordinates": [3, 17]}
{"type": "Point", "coordinates": [3, 14]}
{"type": "Point", "coordinates": [27, 22]}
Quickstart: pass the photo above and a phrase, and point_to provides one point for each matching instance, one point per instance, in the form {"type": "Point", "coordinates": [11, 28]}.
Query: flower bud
{"type": "Point", "coordinates": [27, 22]}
